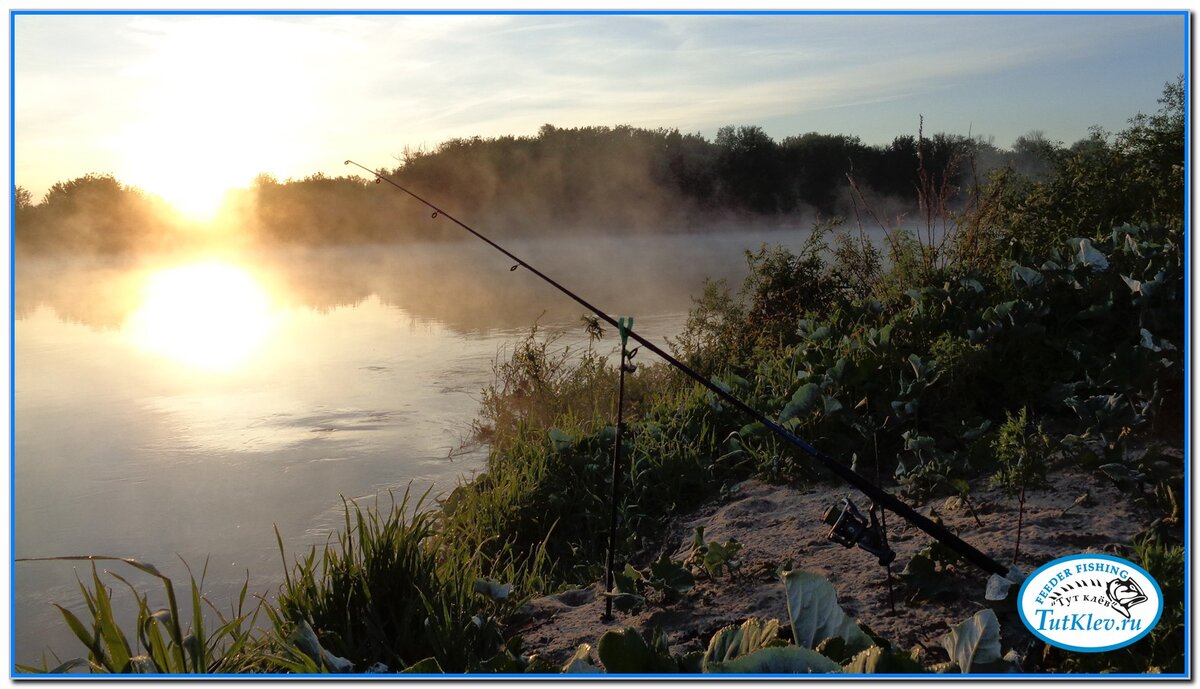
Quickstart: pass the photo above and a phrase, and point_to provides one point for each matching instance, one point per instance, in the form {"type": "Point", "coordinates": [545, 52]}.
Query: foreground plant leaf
{"type": "Point", "coordinates": [736, 641]}
{"type": "Point", "coordinates": [974, 643]}
{"type": "Point", "coordinates": [876, 660]}
{"type": "Point", "coordinates": [625, 651]}
{"type": "Point", "coordinates": [998, 587]}
{"type": "Point", "coordinates": [779, 660]}
{"type": "Point", "coordinates": [815, 614]}
{"type": "Point", "coordinates": [581, 662]}
{"type": "Point", "coordinates": [493, 589]}
{"type": "Point", "coordinates": [668, 574]}
{"type": "Point", "coordinates": [428, 666]}
{"type": "Point", "coordinates": [802, 401]}
{"type": "Point", "coordinates": [305, 640]}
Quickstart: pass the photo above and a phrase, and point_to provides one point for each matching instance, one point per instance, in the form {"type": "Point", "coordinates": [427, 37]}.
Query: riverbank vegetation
{"type": "Point", "coordinates": [1032, 318]}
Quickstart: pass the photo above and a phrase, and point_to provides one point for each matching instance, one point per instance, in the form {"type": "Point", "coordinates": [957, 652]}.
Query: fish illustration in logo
{"type": "Point", "coordinates": [1124, 594]}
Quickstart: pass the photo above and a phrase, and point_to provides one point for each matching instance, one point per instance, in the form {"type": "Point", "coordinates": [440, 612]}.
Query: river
{"type": "Point", "coordinates": [177, 408]}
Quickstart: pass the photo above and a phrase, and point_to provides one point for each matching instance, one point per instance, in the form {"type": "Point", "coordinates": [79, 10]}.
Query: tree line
{"type": "Point", "coordinates": [565, 180]}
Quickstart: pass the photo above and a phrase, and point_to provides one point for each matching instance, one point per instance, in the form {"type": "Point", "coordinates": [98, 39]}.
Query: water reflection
{"type": "Point", "coordinates": [211, 315]}
{"type": "Point", "coordinates": [465, 286]}
{"type": "Point", "coordinates": [355, 371]}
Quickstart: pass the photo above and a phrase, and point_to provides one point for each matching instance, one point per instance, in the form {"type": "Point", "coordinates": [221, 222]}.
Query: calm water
{"type": "Point", "coordinates": [180, 407]}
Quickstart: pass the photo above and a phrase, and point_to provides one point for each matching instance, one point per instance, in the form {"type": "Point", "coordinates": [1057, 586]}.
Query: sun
{"type": "Point", "coordinates": [197, 198]}
{"type": "Point", "coordinates": [210, 118]}
{"type": "Point", "coordinates": [209, 315]}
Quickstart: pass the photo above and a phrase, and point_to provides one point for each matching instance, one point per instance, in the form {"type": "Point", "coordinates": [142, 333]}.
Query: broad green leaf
{"type": "Point", "coordinates": [428, 666]}
{"type": "Point", "coordinates": [778, 660]}
{"type": "Point", "coordinates": [626, 602]}
{"type": "Point", "coordinates": [672, 575]}
{"type": "Point", "coordinates": [305, 640]}
{"type": "Point", "coordinates": [833, 648]}
{"type": "Point", "coordinates": [1090, 256]}
{"type": "Point", "coordinates": [832, 405]}
{"type": "Point", "coordinates": [838, 370]}
{"type": "Point", "coordinates": [875, 660]}
{"type": "Point", "coordinates": [998, 587]}
{"type": "Point", "coordinates": [974, 642]}
{"type": "Point", "coordinates": [922, 577]}
{"type": "Point", "coordinates": [624, 651]}
{"type": "Point", "coordinates": [751, 429]}
{"type": "Point", "coordinates": [972, 284]}
{"type": "Point", "coordinates": [736, 641]}
{"type": "Point", "coordinates": [559, 439]}
{"type": "Point", "coordinates": [336, 663]}
{"type": "Point", "coordinates": [802, 401]}
{"type": "Point", "coordinates": [692, 663]}
{"type": "Point", "coordinates": [626, 580]}
{"type": "Point", "coordinates": [504, 663]}
{"type": "Point", "coordinates": [1029, 276]}
{"type": "Point", "coordinates": [815, 613]}
{"type": "Point", "coordinates": [581, 663]}
{"type": "Point", "coordinates": [493, 589]}
{"type": "Point", "coordinates": [1155, 344]}
{"type": "Point", "coordinates": [916, 442]}
{"type": "Point", "coordinates": [721, 555]}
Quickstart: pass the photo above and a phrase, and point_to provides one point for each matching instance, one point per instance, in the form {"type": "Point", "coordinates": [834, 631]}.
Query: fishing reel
{"type": "Point", "coordinates": [850, 528]}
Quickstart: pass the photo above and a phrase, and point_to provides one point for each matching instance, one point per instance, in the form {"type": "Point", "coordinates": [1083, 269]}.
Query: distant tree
{"type": "Point", "coordinates": [819, 164]}
{"type": "Point", "coordinates": [22, 198]}
{"type": "Point", "coordinates": [1153, 146]}
{"type": "Point", "coordinates": [749, 168]}
{"type": "Point", "coordinates": [1097, 184]}
{"type": "Point", "coordinates": [1033, 155]}
{"type": "Point", "coordinates": [92, 213]}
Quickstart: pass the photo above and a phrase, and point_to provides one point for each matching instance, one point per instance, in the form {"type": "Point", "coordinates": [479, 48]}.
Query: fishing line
{"type": "Point", "coordinates": [877, 494]}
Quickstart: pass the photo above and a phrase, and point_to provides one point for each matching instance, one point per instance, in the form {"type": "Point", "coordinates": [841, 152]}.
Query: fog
{"type": "Point", "coordinates": [465, 285]}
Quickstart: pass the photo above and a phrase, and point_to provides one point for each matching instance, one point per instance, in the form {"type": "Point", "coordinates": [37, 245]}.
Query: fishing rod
{"type": "Point", "coordinates": [879, 496]}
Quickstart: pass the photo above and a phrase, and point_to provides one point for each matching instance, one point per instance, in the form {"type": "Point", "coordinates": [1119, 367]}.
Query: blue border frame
{"type": "Point", "coordinates": [1189, 615]}
{"type": "Point", "coordinates": [12, 343]}
{"type": "Point", "coordinates": [1187, 444]}
{"type": "Point", "coordinates": [628, 12]}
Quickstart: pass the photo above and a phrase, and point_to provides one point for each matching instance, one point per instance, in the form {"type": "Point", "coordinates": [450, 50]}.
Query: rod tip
{"type": "Point", "coordinates": [346, 163]}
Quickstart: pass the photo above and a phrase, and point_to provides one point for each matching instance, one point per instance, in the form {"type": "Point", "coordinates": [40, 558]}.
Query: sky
{"type": "Point", "coordinates": [186, 106]}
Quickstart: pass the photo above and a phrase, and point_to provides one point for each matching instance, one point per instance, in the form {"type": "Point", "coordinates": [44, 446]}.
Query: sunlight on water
{"type": "Point", "coordinates": [211, 315]}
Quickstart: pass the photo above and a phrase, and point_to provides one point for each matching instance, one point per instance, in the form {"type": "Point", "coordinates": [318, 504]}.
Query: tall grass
{"type": "Point", "coordinates": [163, 640]}
{"type": "Point", "coordinates": [392, 590]}
{"type": "Point", "coordinates": [542, 383]}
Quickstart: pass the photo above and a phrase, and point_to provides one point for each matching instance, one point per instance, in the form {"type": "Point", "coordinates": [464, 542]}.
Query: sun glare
{"type": "Point", "coordinates": [212, 120]}
{"type": "Point", "coordinates": [196, 201]}
{"type": "Point", "coordinates": [212, 316]}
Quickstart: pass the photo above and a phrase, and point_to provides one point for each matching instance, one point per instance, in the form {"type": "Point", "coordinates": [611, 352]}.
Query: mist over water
{"type": "Point", "coordinates": [280, 382]}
